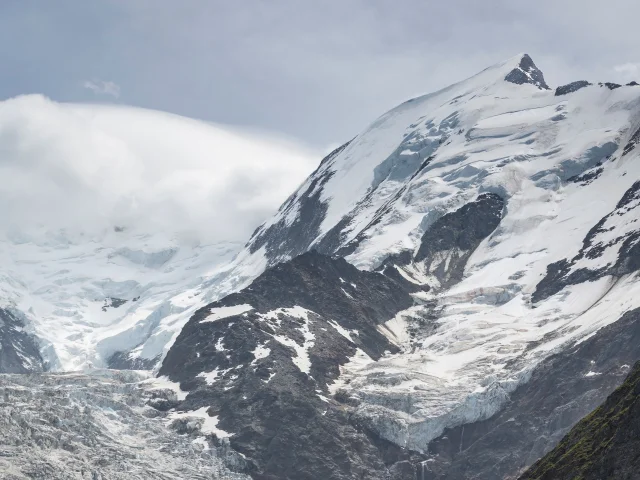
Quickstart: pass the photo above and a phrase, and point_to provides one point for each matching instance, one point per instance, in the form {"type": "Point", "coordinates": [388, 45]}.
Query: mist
{"type": "Point", "coordinates": [85, 170]}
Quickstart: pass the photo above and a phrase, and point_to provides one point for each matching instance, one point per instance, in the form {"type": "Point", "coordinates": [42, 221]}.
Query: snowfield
{"type": "Point", "coordinates": [99, 426]}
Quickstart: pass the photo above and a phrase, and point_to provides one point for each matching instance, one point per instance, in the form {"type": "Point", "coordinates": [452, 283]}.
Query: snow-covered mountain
{"type": "Point", "coordinates": [109, 212]}
{"type": "Point", "coordinates": [505, 209]}
{"type": "Point", "coordinates": [443, 297]}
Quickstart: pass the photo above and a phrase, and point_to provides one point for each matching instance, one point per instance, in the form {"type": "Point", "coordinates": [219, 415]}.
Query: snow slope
{"type": "Point", "coordinates": [108, 212]}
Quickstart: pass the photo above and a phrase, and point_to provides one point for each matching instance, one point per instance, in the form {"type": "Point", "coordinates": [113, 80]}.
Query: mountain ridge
{"type": "Point", "coordinates": [477, 330]}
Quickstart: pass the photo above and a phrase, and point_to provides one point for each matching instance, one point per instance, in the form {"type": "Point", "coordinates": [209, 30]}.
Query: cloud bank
{"type": "Point", "coordinates": [87, 169]}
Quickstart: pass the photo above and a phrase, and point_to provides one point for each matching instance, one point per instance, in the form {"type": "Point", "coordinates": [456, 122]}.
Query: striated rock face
{"type": "Point", "coordinates": [605, 444]}
{"type": "Point", "coordinates": [19, 351]}
{"type": "Point", "coordinates": [99, 427]}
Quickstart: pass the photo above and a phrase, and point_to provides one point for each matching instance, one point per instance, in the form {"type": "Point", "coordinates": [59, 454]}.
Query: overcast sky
{"type": "Point", "coordinates": [317, 71]}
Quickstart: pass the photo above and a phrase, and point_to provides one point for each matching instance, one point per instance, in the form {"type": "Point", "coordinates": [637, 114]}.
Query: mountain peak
{"type": "Point", "coordinates": [526, 72]}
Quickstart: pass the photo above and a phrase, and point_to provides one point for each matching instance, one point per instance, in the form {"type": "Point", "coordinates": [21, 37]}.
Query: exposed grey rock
{"type": "Point", "coordinates": [125, 361]}
{"type": "Point", "coordinates": [571, 87]}
{"type": "Point", "coordinates": [112, 302]}
{"type": "Point", "coordinates": [19, 350]}
{"type": "Point", "coordinates": [283, 241]}
{"type": "Point", "coordinates": [633, 141]}
{"type": "Point", "coordinates": [281, 417]}
{"type": "Point", "coordinates": [589, 176]}
{"type": "Point", "coordinates": [457, 235]}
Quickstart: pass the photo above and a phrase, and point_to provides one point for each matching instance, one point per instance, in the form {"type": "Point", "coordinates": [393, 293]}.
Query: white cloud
{"type": "Point", "coordinates": [101, 87]}
{"type": "Point", "coordinates": [628, 71]}
{"type": "Point", "coordinates": [87, 168]}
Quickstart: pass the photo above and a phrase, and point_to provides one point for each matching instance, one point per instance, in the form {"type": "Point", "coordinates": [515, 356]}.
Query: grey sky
{"type": "Point", "coordinates": [318, 71]}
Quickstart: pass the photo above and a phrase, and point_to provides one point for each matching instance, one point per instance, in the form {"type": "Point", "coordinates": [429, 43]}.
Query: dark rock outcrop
{"type": "Point", "coordinates": [604, 445]}
{"type": "Point", "coordinates": [527, 72]}
{"type": "Point", "coordinates": [19, 351]}
{"type": "Point", "coordinates": [112, 302]}
{"type": "Point", "coordinates": [125, 361]}
{"type": "Point", "coordinates": [283, 241]}
{"type": "Point", "coordinates": [264, 371]}
{"type": "Point", "coordinates": [571, 87]}
{"type": "Point", "coordinates": [633, 142]}
{"type": "Point", "coordinates": [611, 85]}
{"type": "Point", "coordinates": [458, 234]}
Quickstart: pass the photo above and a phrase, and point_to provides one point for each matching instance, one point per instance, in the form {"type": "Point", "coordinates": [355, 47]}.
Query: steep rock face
{"type": "Point", "coordinates": [261, 361]}
{"type": "Point", "coordinates": [605, 444]}
{"type": "Point", "coordinates": [527, 72]}
{"type": "Point", "coordinates": [19, 351]}
{"type": "Point", "coordinates": [446, 247]}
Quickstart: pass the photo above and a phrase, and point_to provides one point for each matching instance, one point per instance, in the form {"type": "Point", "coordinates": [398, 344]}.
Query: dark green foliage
{"type": "Point", "coordinates": [603, 445]}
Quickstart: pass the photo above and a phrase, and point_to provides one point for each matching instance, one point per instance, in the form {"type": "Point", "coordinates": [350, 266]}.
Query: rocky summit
{"type": "Point", "coordinates": [445, 297]}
